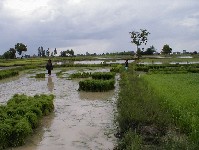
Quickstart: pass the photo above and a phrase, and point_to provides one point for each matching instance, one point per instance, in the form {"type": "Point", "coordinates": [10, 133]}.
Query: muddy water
{"type": "Point", "coordinates": [81, 120]}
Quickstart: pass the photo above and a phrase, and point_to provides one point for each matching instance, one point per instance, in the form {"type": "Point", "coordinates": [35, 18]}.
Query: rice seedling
{"type": "Point", "coordinates": [145, 112]}
{"type": "Point", "coordinates": [20, 116]}
{"type": "Point", "coordinates": [40, 75]}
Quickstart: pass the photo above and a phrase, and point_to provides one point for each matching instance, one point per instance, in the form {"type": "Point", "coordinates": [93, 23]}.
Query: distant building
{"type": "Point", "coordinates": [176, 53]}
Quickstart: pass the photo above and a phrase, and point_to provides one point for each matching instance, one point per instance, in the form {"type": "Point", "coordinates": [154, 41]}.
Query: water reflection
{"type": "Point", "coordinates": [96, 95]}
{"type": "Point", "coordinates": [50, 84]}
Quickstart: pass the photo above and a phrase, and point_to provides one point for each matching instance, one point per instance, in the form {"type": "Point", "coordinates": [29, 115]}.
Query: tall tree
{"type": "Point", "coordinates": [139, 38]}
{"type": "Point", "coordinates": [48, 52]}
{"type": "Point", "coordinates": [20, 47]}
{"type": "Point", "coordinates": [39, 52]}
{"type": "Point", "coordinates": [55, 51]}
{"type": "Point", "coordinates": [166, 49]}
{"type": "Point", "coordinates": [43, 52]}
{"type": "Point", "coordinates": [71, 52]}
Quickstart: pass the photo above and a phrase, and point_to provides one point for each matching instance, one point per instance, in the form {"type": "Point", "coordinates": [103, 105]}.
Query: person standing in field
{"type": "Point", "coordinates": [126, 64]}
{"type": "Point", "coordinates": [49, 67]}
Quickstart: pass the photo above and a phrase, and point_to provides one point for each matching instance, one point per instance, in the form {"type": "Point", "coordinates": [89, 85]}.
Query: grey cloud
{"type": "Point", "coordinates": [82, 25]}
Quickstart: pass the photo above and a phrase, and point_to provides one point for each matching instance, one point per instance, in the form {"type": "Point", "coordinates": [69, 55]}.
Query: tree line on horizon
{"type": "Point", "coordinates": [138, 38]}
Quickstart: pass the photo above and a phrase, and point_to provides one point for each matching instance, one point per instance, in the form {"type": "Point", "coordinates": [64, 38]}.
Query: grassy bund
{"type": "Point", "coordinates": [159, 108]}
{"type": "Point", "coordinates": [20, 116]}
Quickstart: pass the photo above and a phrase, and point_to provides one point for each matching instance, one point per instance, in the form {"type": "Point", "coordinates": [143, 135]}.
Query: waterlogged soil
{"type": "Point", "coordinates": [80, 121]}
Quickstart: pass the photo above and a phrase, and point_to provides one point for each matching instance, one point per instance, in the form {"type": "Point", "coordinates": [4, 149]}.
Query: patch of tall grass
{"type": "Point", "coordinates": [8, 73]}
{"type": "Point", "coordinates": [143, 115]}
{"type": "Point", "coordinates": [179, 92]}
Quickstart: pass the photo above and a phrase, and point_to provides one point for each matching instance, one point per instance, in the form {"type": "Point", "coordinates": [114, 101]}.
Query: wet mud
{"type": "Point", "coordinates": [80, 121]}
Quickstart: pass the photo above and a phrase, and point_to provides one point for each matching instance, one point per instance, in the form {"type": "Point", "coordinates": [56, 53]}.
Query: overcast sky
{"type": "Point", "coordinates": [98, 26]}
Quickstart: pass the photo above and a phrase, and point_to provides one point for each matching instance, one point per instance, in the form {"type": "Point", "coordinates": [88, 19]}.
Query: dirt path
{"type": "Point", "coordinates": [81, 120]}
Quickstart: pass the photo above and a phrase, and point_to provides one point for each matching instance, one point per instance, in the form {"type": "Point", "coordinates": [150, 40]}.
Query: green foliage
{"type": "Point", "coordinates": [7, 73]}
{"type": "Point", "coordinates": [80, 75]}
{"type": "Point", "coordinates": [140, 107]}
{"type": "Point", "coordinates": [100, 82]}
{"type": "Point", "coordinates": [32, 119]}
{"type": "Point", "coordinates": [179, 93]}
{"type": "Point", "coordinates": [150, 50]}
{"type": "Point", "coordinates": [20, 47]}
{"type": "Point", "coordinates": [103, 75]}
{"type": "Point", "coordinates": [20, 131]}
{"type": "Point", "coordinates": [40, 75]}
{"type": "Point", "coordinates": [139, 38]}
{"type": "Point", "coordinates": [96, 85]}
{"type": "Point", "coordinates": [20, 116]}
{"type": "Point", "coordinates": [116, 69]}
{"type": "Point", "coordinates": [10, 54]}
{"type": "Point", "coordinates": [166, 49]}
{"type": "Point", "coordinates": [168, 68]}
{"type": "Point", "coordinates": [5, 133]}
{"type": "Point", "coordinates": [67, 53]}
{"type": "Point", "coordinates": [130, 141]}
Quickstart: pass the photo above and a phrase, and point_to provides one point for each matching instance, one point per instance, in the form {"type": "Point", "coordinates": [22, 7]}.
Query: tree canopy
{"type": "Point", "coordinates": [67, 53]}
{"type": "Point", "coordinates": [139, 38]}
{"type": "Point", "coordinates": [150, 50]}
{"type": "Point", "coordinates": [10, 54]}
{"type": "Point", "coordinates": [20, 47]}
{"type": "Point", "coordinates": [166, 49]}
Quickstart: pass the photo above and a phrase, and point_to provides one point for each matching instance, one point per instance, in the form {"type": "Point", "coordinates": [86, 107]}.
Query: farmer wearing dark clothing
{"type": "Point", "coordinates": [49, 67]}
{"type": "Point", "coordinates": [126, 64]}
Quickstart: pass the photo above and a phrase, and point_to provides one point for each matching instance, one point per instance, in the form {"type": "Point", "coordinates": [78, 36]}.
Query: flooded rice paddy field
{"type": "Point", "coordinates": [80, 121]}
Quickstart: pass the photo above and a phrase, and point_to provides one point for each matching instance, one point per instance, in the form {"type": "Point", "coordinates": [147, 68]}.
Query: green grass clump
{"type": "Point", "coordinates": [96, 85]}
{"type": "Point", "coordinates": [40, 75]}
{"type": "Point", "coordinates": [103, 75]}
{"type": "Point", "coordinates": [130, 141]}
{"type": "Point", "coordinates": [80, 75]}
{"type": "Point", "coordinates": [116, 69]}
{"type": "Point", "coordinates": [20, 116]}
{"type": "Point", "coordinates": [100, 82]}
{"type": "Point", "coordinates": [8, 73]}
